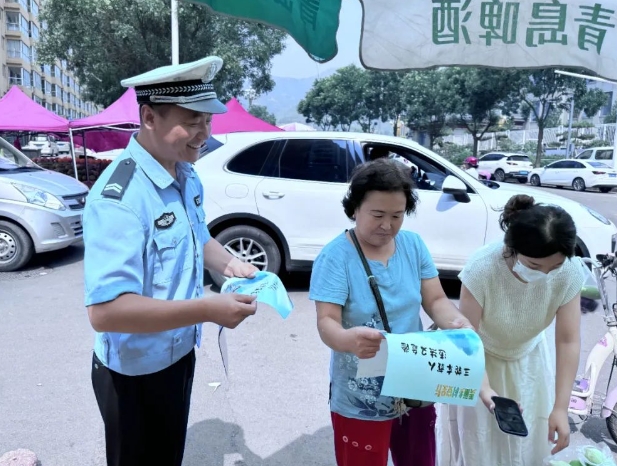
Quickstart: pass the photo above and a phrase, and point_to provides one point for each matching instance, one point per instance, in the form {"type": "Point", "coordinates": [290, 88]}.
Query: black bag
{"type": "Point", "coordinates": [382, 310]}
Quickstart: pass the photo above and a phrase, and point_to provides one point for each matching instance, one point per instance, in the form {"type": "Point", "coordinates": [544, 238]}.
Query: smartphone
{"type": "Point", "coordinates": [509, 417]}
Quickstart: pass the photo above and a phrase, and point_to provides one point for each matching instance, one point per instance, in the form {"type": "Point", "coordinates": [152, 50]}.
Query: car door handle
{"type": "Point", "coordinates": [273, 195]}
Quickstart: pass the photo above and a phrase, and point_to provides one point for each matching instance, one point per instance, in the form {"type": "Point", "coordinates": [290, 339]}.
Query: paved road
{"type": "Point", "coordinates": [605, 203]}
{"type": "Point", "coordinates": [271, 412]}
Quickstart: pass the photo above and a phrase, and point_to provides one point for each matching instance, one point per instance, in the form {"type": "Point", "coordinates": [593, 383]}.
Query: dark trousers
{"type": "Point", "coordinates": [145, 416]}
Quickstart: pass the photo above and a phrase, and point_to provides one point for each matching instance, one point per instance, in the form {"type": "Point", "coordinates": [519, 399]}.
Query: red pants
{"type": "Point", "coordinates": [366, 443]}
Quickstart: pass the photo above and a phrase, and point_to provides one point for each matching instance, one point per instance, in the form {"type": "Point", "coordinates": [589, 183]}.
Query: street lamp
{"type": "Point", "coordinates": [594, 78]}
{"type": "Point", "coordinates": [250, 94]}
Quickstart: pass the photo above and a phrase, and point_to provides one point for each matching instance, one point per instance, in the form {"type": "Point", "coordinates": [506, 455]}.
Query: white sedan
{"type": "Point", "coordinates": [274, 199]}
{"type": "Point", "coordinates": [580, 174]}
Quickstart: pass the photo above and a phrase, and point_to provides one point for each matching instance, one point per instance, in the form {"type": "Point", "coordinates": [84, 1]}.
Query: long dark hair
{"type": "Point", "coordinates": [537, 230]}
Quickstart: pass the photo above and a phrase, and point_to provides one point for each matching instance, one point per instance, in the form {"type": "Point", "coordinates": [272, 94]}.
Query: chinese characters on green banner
{"type": "Point", "coordinates": [501, 34]}
{"type": "Point", "coordinates": [499, 21]}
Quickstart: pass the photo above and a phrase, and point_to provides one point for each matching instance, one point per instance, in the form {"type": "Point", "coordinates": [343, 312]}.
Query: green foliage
{"type": "Point", "coordinates": [480, 97]}
{"type": "Point", "coordinates": [262, 113]}
{"type": "Point", "coordinates": [596, 143]}
{"type": "Point", "coordinates": [591, 102]}
{"type": "Point", "coordinates": [612, 117]}
{"type": "Point", "coordinates": [105, 41]}
{"type": "Point", "coordinates": [455, 154]}
{"type": "Point", "coordinates": [428, 101]}
{"type": "Point", "coordinates": [508, 145]}
{"type": "Point", "coordinates": [543, 93]}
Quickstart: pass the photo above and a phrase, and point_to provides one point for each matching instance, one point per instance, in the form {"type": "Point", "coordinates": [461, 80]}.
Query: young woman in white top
{"type": "Point", "coordinates": [511, 292]}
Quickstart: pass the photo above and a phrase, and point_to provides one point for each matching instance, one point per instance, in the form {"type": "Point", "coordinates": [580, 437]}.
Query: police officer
{"type": "Point", "coordinates": [146, 245]}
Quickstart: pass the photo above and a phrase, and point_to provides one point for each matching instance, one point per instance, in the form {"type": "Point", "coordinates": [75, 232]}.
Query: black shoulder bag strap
{"type": "Point", "coordinates": [382, 309]}
{"type": "Point", "coordinates": [372, 282]}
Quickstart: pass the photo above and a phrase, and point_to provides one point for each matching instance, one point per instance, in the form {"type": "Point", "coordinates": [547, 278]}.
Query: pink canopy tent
{"type": "Point", "coordinates": [18, 112]}
{"type": "Point", "coordinates": [111, 128]}
{"type": "Point", "coordinates": [123, 111]}
{"type": "Point", "coordinates": [237, 119]}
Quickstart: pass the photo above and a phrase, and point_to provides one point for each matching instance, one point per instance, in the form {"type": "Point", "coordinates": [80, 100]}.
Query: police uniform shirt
{"type": "Point", "coordinates": [144, 233]}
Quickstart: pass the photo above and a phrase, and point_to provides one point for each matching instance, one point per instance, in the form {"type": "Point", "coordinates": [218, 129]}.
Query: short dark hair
{"type": "Point", "coordinates": [161, 109]}
{"type": "Point", "coordinates": [384, 175]}
{"type": "Point", "coordinates": [537, 230]}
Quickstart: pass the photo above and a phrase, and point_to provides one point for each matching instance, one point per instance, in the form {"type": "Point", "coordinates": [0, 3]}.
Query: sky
{"type": "Point", "coordinates": [295, 63]}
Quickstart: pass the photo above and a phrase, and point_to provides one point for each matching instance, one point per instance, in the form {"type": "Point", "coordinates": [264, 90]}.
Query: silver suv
{"type": "Point", "coordinates": [40, 210]}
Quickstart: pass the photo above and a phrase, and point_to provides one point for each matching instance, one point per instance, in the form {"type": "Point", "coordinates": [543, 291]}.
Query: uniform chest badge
{"type": "Point", "coordinates": [165, 221]}
{"type": "Point", "coordinates": [197, 200]}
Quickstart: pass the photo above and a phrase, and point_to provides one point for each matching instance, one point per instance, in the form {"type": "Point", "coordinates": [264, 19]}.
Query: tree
{"type": "Point", "coordinates": [543, 92]}
{"type": "Point", "coordinates": [611, 117]}
{"type": "Point", "coordinates": [336, 102]}
{"type": "Point", "coordinates": [428, 102]}
{"type": "Point", "coordinates": [316, 106]}
{"type": "Point", "coordinates": [382, 99]}
{"type": "Point", "coordinates": [481, 97]}
{"type": "Point", "coordinates": [104, 42]}
{"type": "Point", "coordinates": [347, 89]}
{"type": "Point", "coordinates": [591, 102]}
{"type": "Point", "coordinates": [261, 112]}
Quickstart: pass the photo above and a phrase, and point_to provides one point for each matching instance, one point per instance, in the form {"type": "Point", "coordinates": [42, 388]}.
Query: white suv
{"type": "Point", "coordinates": [274, 199]}
{"type": "Point", "coordinates": [504, 165]}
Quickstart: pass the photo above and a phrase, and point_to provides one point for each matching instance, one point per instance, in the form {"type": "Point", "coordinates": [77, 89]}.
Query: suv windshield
{"type": "Point", "coordinates": [13, 160]}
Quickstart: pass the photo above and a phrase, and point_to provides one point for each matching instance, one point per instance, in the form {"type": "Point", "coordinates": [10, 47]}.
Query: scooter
{"type": "Point", "coordinates": [584, 401]}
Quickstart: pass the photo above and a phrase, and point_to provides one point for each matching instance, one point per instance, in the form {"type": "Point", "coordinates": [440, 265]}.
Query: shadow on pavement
{"type": "Point", "coordinates": [209, 442]}
{"type": "Point", "coordinates": [595, 430]}
{"type": "Point", "coordinates": [48, 261]}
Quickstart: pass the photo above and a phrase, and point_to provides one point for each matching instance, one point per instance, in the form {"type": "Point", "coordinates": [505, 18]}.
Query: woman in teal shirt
{"type": "Point", "coordinates": [365, 423]}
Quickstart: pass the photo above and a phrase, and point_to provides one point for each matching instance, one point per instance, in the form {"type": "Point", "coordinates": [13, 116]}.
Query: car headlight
{"type": "Point", "coordinates": [598, 215]}
{"type": "Point", "coordinates": [37, 196]}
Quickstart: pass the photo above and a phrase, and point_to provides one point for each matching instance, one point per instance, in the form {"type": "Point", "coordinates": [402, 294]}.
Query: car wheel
{"type": "Point", "coordinates": [535, 180]}
{"type": "Point", "coordinates": [605, 190]}
{"type": "Point", "coordinates": [500, 175]}
{"type": "Point", "coordinates": [249, 244]}
{"type": "Point", "coordinates": [16, 247]}
{"type": "Point", "coordinates": [578, 184]}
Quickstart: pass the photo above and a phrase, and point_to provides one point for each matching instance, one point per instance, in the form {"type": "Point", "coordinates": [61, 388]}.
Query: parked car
{"type": "Point", "coordinates": [274, 199]}
{"type": "Point", "coordinates": [601, 154]}
{"type": "Point", "coordinates": [40, 210]}
{"type": "Point", "coordinates": [506, 165]}
{"type": "Point", "coordinates": [64, 147]}
{"type": "Point", "coordinates": [580, 174]}
{"type": "Point", "coordinates": [46, 144]}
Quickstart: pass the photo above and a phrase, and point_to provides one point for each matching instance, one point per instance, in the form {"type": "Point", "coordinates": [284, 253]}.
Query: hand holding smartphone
{"type": "Point", "coordinates": [509, 417]}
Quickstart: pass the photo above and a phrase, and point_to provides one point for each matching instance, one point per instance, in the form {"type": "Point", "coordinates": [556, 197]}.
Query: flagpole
{"type": "Point", "coordinates": [175, 46]}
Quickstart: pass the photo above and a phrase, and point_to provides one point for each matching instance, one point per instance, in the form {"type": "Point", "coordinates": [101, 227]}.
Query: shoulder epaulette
{"type": "Point", "coordinates": [119, 180]}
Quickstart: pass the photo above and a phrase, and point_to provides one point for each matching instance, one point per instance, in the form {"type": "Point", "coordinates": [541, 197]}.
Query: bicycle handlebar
{"type": "Point", "coordinates": [608, 261]}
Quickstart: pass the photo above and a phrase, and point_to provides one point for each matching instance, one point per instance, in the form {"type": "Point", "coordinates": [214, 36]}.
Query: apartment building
{"type": "Point", "coordinates": [54, 87]}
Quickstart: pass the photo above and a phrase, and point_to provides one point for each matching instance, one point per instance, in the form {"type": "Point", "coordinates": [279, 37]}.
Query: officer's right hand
{"type": "Point", "coordinates": [364, 342]}
{"type": "Point", "coordinates": [230, 309]}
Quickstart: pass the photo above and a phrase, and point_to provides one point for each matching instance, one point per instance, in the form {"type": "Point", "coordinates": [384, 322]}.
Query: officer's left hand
{"type": "Point", "coordinates": [237, 268]}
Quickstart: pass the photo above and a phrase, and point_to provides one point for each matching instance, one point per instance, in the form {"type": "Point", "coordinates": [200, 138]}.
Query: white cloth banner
{"type": "Point", "coordinates": [419, 34]}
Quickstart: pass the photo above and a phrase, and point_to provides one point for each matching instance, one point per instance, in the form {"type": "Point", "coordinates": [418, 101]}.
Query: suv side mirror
{"type": "Point", "coordinates": [454, 186]}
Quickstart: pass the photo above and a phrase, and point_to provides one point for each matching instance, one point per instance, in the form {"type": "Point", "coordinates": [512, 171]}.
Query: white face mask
{"type": "Point", "coordinates": [531, 275]}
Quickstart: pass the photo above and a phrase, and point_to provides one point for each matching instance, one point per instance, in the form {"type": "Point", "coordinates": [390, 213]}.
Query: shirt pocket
{"type": "Point", "coordinates": [201, 229]}
{"type": "Point", "coordinates": [169, 245]}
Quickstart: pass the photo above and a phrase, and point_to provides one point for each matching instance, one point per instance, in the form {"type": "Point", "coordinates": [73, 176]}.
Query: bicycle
{"type": "Point", "coordinates": [584, 399]}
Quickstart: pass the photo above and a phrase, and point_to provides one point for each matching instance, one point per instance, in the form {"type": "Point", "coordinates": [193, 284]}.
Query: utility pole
{"type": "Point", "coordinates": [175, 45]}
{"type": "Point", "coordinates": [568, 155]}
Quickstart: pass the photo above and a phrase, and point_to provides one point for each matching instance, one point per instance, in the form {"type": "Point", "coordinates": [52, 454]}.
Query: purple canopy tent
{"type": "Point", "coordinates": [115, 124]}
{"type": "Point", "coordinates": [18, 112]}
{"type": "Point", "coordinates": [123, 112]}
